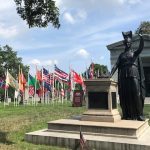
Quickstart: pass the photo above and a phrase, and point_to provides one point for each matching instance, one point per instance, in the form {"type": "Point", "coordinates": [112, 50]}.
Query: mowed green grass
{"type": "Point", "coordinates": [16, 121]}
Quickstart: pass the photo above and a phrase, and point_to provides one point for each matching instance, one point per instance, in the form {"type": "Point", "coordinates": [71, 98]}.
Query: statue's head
{"type": "Point", "coordinates": [127, 38]}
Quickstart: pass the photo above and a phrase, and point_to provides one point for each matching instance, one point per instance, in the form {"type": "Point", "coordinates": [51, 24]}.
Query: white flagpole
{"type": "Point", "coordinates": [72, 87]}
{"type": "Point", "coordinates": [28, 88]}
{"type": "Point", "coordinates": [53, 88]}
{"type": "Point", "coordinates": [17, 100]}
{"type": "Point", "coordinates": [42, 85]}
{"type": "Point", "coordinates": [35, 85]}
{"type": "Point", "coordinates": [48, 100]}
{"type": "Point", "coordinates": [6, 74]}
{"type": "Point", "coordinates": [62, 92]}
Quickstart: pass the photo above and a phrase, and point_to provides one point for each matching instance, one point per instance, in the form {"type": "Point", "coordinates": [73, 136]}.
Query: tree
{"type": "Point", "coordinates": [38, 13]}
{"type": "Point", "coordinates": [101, 68]}
{"type": "Point", "coordinates": [99, 71]}
{"type": "Point", "coordinates": [10, 61]}
{"type": "Point", "coordinates": [145, 27]}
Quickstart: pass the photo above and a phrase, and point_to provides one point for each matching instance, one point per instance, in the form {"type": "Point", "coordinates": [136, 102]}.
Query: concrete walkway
{"type": "Point", "coordinates": [147, 100]}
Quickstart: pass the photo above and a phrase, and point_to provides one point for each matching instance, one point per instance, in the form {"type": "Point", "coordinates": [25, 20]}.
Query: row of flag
{"type": "Point", "coordinates": [42, 82]}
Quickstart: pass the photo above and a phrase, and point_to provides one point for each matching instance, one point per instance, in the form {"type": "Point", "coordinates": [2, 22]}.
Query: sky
{"type": "Point", "coordinates": [87, 27]}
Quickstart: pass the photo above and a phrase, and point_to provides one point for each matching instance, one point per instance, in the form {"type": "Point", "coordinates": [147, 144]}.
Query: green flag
{"type": "Point", "coordinates": [32, 81]}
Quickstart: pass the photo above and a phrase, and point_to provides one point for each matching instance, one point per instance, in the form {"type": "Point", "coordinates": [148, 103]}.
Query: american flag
{"type": "Point", "coordinates": [60, 74]}
{"type": "Point", "coordinates": [51, 78]}
{"type": "Point", "coordinates": [45, 76]}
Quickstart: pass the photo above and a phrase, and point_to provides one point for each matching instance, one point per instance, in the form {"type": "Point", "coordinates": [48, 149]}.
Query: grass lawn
{"type": "Point", "coordinates": [16, 121]}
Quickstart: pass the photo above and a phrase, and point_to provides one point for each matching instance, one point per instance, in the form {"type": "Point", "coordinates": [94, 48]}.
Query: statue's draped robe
{"type": "Point", "coordinates": [131, 87]}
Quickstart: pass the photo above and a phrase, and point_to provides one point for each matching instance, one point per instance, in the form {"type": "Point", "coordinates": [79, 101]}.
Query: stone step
{"type": "Point", "coordinates": [94, 142]}
{"type": "Point", "coordinates": [122, 128]}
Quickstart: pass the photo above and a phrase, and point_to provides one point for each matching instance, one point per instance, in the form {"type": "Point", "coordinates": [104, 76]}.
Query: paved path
{"type": "Point", "coordinates": [147, 100]}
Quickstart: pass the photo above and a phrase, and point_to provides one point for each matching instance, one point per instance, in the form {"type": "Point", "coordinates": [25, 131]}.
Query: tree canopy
{"type": "Point", "coordinates": [99, 71]}
{"type": "Point", "coordinates": [38, 13]}
{"type": "Point", "coordinates": [10, 61]}
{"type": "Point", "coordinates": [145, 27]}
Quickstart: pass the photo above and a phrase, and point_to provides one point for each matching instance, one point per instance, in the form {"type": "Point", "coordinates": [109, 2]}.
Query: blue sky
{"type": "Point", "coordinates": [87, 26]}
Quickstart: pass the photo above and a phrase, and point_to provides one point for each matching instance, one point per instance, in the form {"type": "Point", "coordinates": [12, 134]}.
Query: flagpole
{"type": "Point", "coordinates": [62, 99]}
{"type": "Point", "coordinates": [6, 74]}
{"type": "Point", "coordinates": [22, 84]}
{"type": "Point", "coordinates": [48, 101]}
{"type": "Point", "coordinates": [17, 100]}
{"type": "Point", "coordinates": [42, 86]}
{"type": "Point", "coordinates": [28, 87]}
{"type": "Point", "coordinates": [35, 86]}
{"type": "Point", "coordinates": [53, 94]}
{"type": "Point", "coordinates": [72, 86]}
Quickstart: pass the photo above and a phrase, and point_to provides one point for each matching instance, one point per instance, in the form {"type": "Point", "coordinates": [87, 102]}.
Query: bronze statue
{"type": "Point", "coordinates": [131, 87]}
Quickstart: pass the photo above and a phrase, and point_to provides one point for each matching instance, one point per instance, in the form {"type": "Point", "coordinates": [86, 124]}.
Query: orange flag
{"type": "Point", "coordinates": [38, 75]}
{"type": "Point", "coordinates": [22, 82]}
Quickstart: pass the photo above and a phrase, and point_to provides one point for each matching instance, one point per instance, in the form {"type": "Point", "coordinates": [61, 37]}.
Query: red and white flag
{"type": "Point", "coordinates": [76, 77]}
{"type": "Point", "coordinates": [31, 90]}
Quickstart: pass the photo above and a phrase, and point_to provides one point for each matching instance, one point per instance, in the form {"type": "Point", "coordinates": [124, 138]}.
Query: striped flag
{"type": "Point", "coordinates": [51, 78]}
{"type": "Point", "coordinates": [60, 74]}
{"type": "Point", "coordinates": [46, 79]}
{"type": "Point", "coordinates": [45, 76]}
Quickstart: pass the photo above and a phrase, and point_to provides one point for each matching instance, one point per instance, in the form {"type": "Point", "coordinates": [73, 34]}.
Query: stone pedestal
{"type": "Point", "coordinates": [101, 100]}
{"type": "Point", "coordinates": [101, 125]}
{"type": "Point", "coordinates": [121, 135]}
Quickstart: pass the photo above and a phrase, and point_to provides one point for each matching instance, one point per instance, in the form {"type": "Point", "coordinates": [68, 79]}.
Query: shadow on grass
{"type": "Point", "coordinates": [3, 138]}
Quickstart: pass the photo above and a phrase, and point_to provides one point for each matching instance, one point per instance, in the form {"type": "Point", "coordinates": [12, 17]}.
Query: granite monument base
{"type": "Point", "coordinates": [120, 135]}
{"type": "Point", "coordinates": [101, 116]}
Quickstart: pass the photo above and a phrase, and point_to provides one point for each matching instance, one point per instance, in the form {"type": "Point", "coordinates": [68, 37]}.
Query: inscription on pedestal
{"type": "Point", "coordinates": [114, 101]}
{"type": "Point", "coordinates": [98, 100]}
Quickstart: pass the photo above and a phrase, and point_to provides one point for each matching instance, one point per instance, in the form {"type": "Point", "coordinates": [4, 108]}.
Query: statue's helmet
{"type": "Point", "coordinates": [127, 34]}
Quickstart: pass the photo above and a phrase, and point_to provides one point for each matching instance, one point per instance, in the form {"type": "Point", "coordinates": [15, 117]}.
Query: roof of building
{"type": "Point", "coordinates": [119, 44]}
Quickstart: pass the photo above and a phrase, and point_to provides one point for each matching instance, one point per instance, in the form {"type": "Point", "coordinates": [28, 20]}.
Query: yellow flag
{"type": "Point", "coordinates": [11, 81]}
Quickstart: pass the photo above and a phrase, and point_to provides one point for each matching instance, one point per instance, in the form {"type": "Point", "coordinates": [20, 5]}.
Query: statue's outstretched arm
{"type": "Point", "coordinates": [141, 45]}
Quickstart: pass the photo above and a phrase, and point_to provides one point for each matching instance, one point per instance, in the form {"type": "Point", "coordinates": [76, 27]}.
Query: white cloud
{"type": "Point", "coordinates": [69, 18]}
{"type": "Point", "coordinates": [35, 62]}
{"type": "Point", "coordinates": [83, 53]}
{"type": "Point", "coordinates": [7, 4]}
{"type": "Point", "coordinates": [81, 14]}
{"type": "Point", "coordinates": [132, 2]}
{"type": "Point", "coordinates": [50, 62]}
{"type": "Point", "coordinates": [55, 61]}
{"type": "Point", "coordinates": [102, 57]}
{"type": "Point", "coordinates": [75, 16]}
{"type": "Point", "coordinates": [8, 32]}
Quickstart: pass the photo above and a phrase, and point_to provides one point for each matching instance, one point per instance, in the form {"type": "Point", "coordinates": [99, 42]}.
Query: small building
{"type": "Point", "coordinates": [118, 47]}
